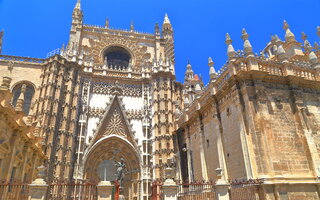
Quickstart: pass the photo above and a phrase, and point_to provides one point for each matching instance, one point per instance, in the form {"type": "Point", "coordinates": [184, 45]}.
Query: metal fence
{"type": "Point", "coordinates": [200, 190]}
{"type": "Point", "coordinates": [80, 190]}
{"type": "Point", "coordinates": [14, 190]}
{"type": "Point", "coordinates": [156, 190]}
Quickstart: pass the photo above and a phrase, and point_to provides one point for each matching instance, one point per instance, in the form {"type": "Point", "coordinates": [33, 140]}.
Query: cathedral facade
{"type": "Point", "coordinates": [111, 96]}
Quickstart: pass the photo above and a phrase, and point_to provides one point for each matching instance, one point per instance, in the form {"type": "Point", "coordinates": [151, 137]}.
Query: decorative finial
{"type": "Point", "coordinates": [277, 39]}
{"type": "Point", "coordinates": [313, 58]}
{"type": "Point", "coordinates": [107, 23]}
{"type": "Point", "coordinates": [132, 26]}
{"type": "Point", "coordinates": [318, 31]}
{"type": "Point", "coordinates": [285, 25]}
{"type": "Point", "coordinates": [37, 130]}
{"type": "Point", "coordinates": [1, 38]}
{"type": "Point", "coordinates": [189, 67]}
{"type": "Point", "coordinates": [282, 53]}
{"type": "Point", "coordinates": [306, 44]}
{"type": "Point", "coordinates": [20, 101]}
{"type": "Point", "coordinates": [289, 35]}
{"type": "Point", "coordinates": [281, 50]}
{"type": "Point", "coordinates": [316, 46]}
{"type": "Point", "coordinates": [247, 46]}
{"type": "Point", "coordinates": [210, 62]}
{"type": "Point", "coordinates": [303, 36]}
{"type": "Point", "coordinates": [157, 29]}
{"type": "Point", "coordinates": [212, 71]}
{"type": "Point", "coordinates": [166, 19]}
{"type": "Point", "coordinates": [5, 83]}
{"type": "Point", "coordinates": [230, 51]}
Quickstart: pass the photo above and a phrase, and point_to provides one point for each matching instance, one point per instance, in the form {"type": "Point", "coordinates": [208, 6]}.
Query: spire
{"type": "Point", "coordinates": [1, 37]}
{"type": "Point", "coordinates": [212, 71]}
{"type": "Point", "coordinates": [77, 15]}
{"type": "Point", "coordinates": [289, 35]}
{"type": "Point", "coordinates": [247, 46]}
{"type": "Point", "coordinates": [78, 5]}
{"type": "Point", "coordinates": [107, 23]}
{"type": "Point", "coordinates": [189, 72]}
{"type": "Point", "coordinates": [231, 53]}
{"type": "Point", "coordinates": [166, 19]}
{"type": "Point", "coordinates": [20, 101]}
{"type": "Point", "coordinates": [318, 31]}
{"type": "Point", "coordinates": [167, 31]}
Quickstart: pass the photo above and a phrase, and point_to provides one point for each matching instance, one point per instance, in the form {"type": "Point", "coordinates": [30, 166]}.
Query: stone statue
{"type": "Point", "coordinates": [121, 168]}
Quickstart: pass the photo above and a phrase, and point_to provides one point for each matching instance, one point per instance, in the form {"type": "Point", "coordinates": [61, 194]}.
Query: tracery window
{"type": "Point", "coordinates": [27, 96]}
{"type": "Point", "coordinates": [117, 58]}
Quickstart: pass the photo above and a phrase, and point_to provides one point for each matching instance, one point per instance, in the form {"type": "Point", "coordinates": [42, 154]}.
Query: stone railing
{"type": "Point", "coordinates": [279, 69]}
{"type": "Point", "coordinates": [21, 59]}
{"type": "Point", "coordinates": [119, 32]}
{"type": "Point", "coordinates": [305, 73]}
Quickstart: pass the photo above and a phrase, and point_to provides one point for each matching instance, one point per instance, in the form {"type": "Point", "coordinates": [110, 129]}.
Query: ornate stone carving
{"type": "Point", "coordinates": [131, 113]}
{"type": "Point", "coordinates": [107, 88]}
{"type": "Point", "coordinates": [138, 52]}
{"type": "Point", "coordinates": [115, 125]}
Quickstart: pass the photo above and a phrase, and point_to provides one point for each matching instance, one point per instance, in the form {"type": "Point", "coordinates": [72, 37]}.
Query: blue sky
{"type": "Point", "coordinates": [34, 28]}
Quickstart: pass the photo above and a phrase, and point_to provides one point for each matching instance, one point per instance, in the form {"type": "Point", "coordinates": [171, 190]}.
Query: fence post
{"type": "Point", "coordinates": [170, 190]}
{"type": "Point", "coordinates": [38, 188]}
{"type": "Point", "coordinates": [104, 190]}
{"type": "Point", "coordinates": [222, 187]}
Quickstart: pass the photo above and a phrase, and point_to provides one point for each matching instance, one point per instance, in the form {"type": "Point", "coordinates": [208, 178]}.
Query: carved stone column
{"type": "Point", "coordinates": [105, 190]}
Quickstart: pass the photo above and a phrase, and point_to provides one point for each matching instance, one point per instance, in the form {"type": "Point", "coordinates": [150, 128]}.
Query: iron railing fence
{"type": "Point", "coordinates": [197, 190]}
{"type": "Point", "coordinates": [78, 190]}
{"type": "Point", "coordinates": [14, 190]}
{"type": "Point", "coordinates": [156, 190]}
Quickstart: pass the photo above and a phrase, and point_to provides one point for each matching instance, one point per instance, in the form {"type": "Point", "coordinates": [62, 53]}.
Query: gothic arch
{"type": "Point", "coordinates": [105, 147]}
{"type": "Point", "coordinates": [127, 49]}
{"type": "Point", "coordinates": [111, 149]}
{"type": "Point", "coordinates": [29, 94]}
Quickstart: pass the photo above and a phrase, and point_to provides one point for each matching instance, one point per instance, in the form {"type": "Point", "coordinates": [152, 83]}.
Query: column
{"type": "Point", "coordinates": [105, 190]}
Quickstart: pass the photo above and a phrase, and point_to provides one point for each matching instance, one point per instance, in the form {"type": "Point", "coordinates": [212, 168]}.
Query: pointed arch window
{"type": "Point", "coordinates": [27, 96]}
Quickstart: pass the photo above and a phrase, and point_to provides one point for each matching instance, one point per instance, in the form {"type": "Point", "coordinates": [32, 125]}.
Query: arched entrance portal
{"type": "Point", "coordinates": [100, 163]}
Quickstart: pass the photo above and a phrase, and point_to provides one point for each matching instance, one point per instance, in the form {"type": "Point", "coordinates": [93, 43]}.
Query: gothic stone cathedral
{"type": "Point", "coordinates": [112, 94]}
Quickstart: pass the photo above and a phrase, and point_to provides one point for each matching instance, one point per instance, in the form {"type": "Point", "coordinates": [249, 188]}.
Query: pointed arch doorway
{"type": "Point", "coordinates": [113, 141]}
{"type": "Point", "coordinates": [101, 164]}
